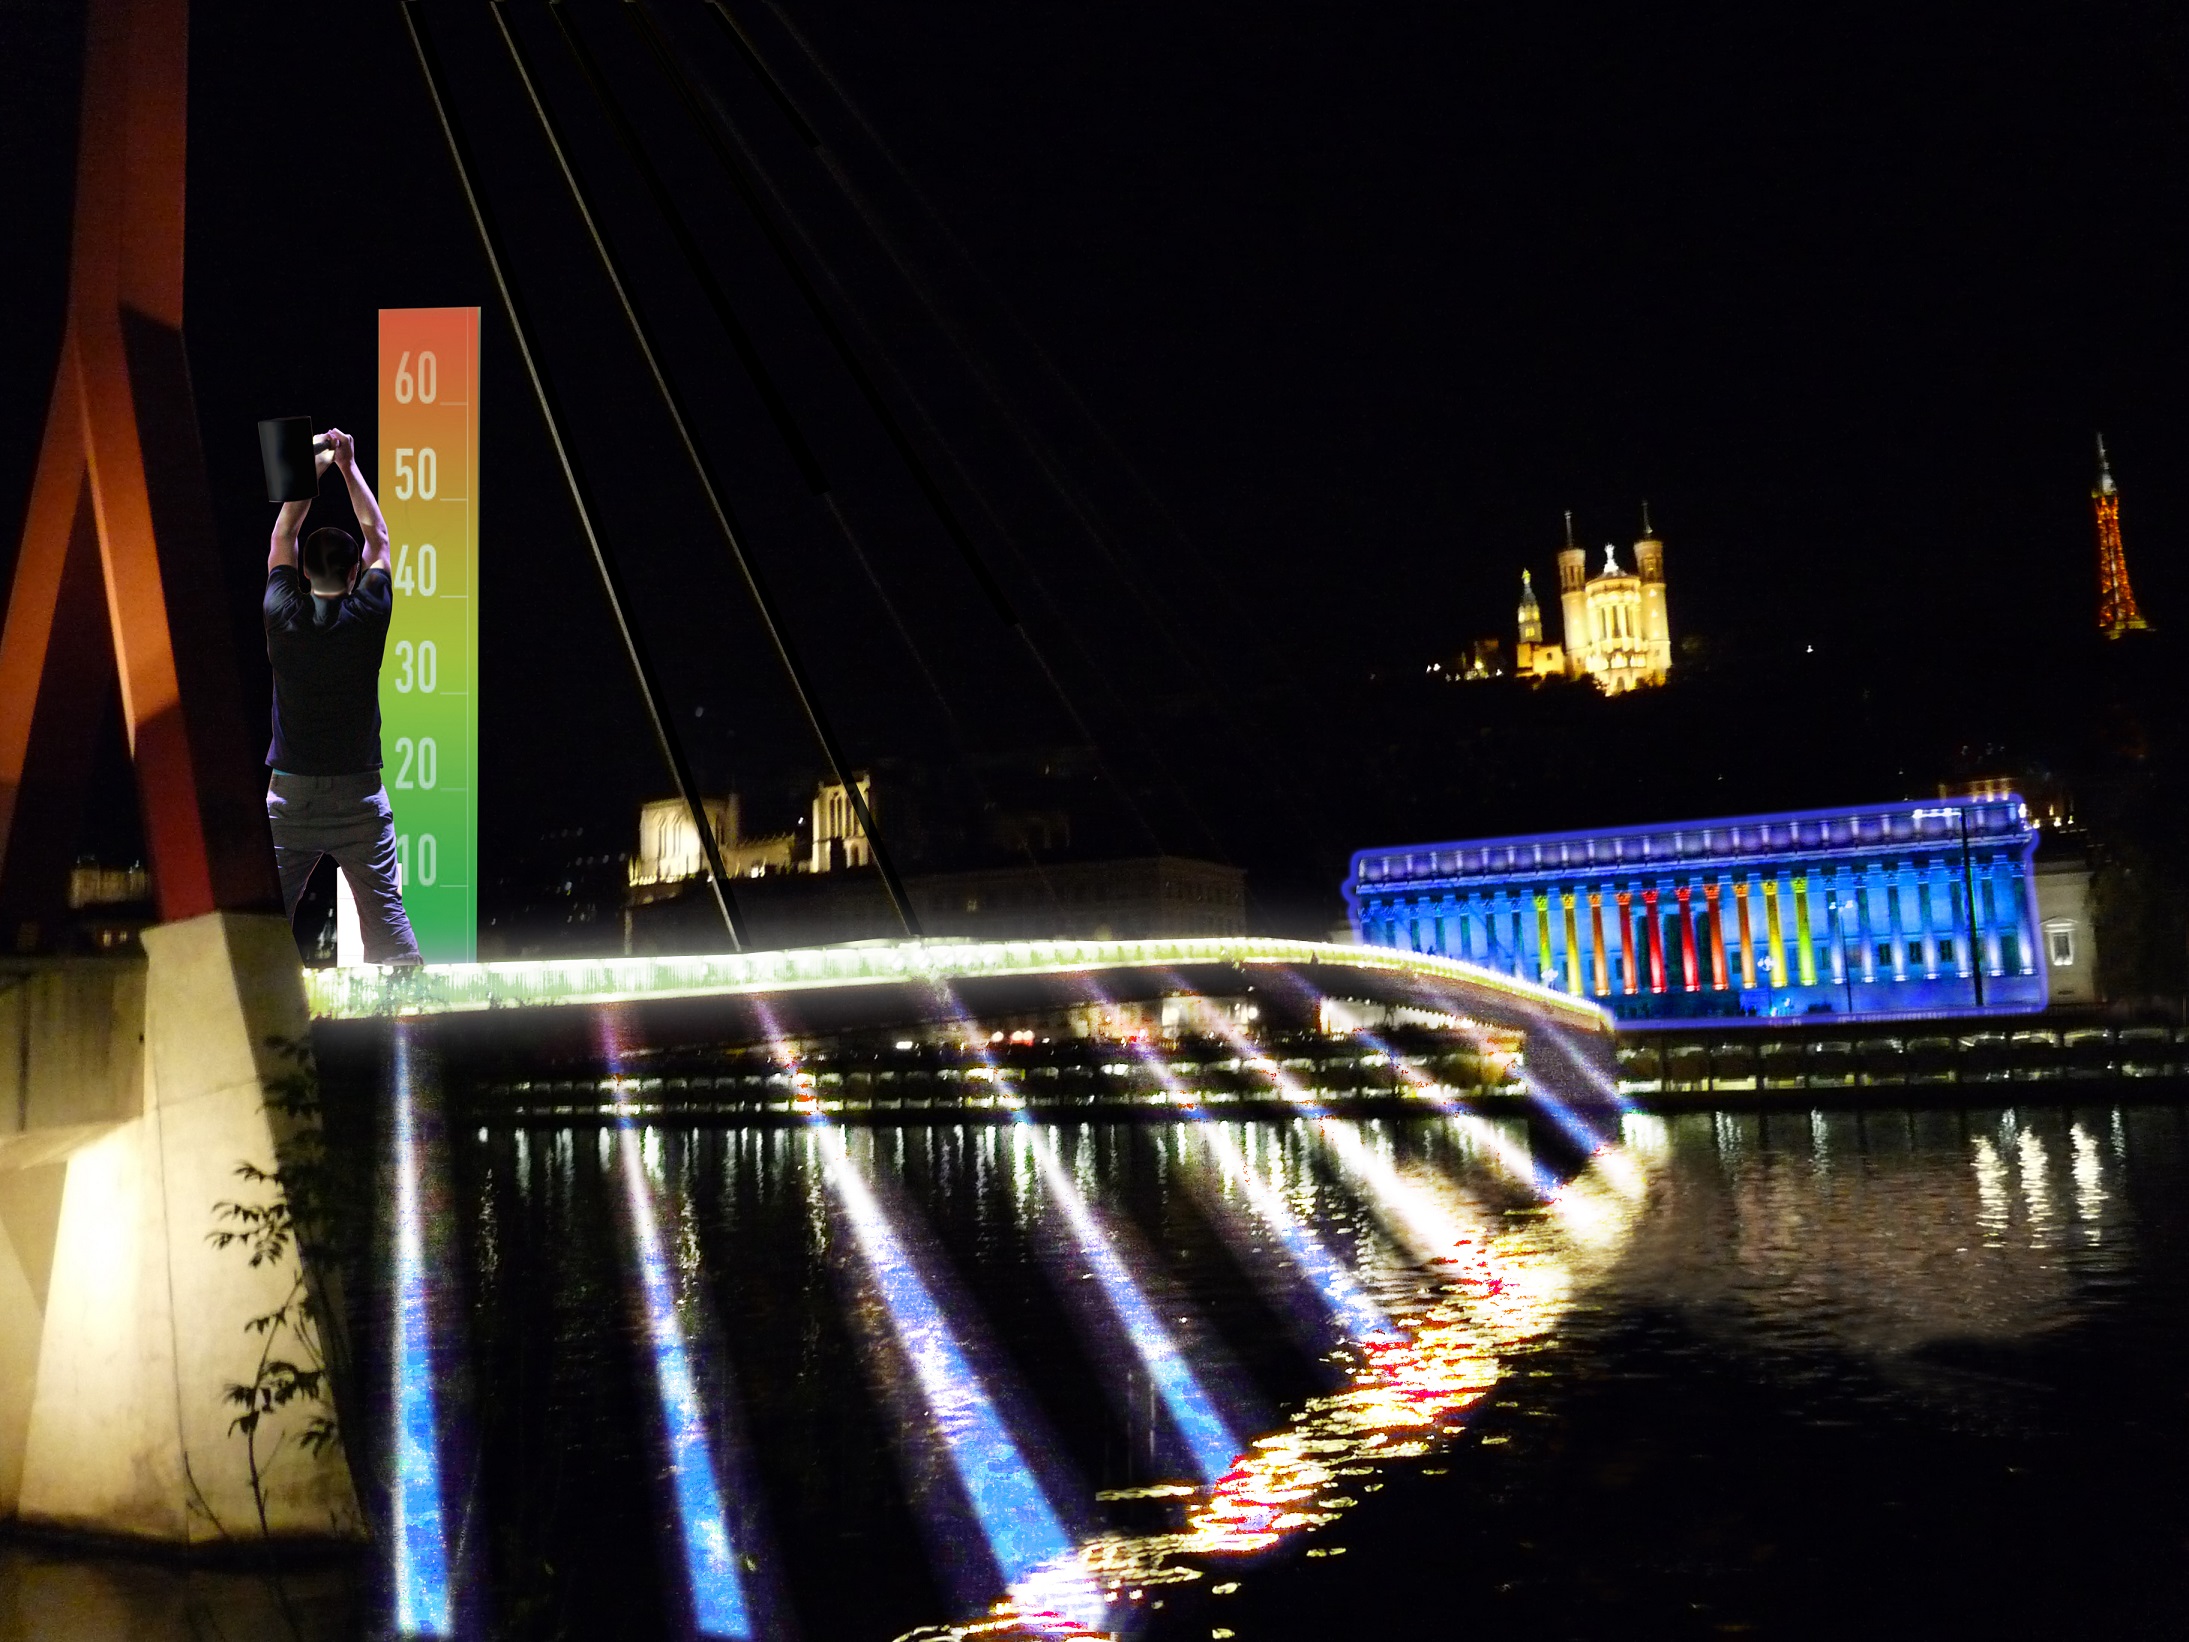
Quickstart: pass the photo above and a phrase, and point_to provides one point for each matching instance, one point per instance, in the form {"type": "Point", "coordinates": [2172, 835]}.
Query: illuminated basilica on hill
{"type": "Point", "coordinates": [1613, 622]}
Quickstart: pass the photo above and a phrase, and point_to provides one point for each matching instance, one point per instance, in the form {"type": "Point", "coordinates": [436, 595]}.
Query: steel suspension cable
{"type": "Point", "coordinates": [717, 503]}
{"type": "Point", "coordinates": [748, 353]}
{"type": "Point", "coordinates": [1037, 449]}
{"type": "Point", "coordinates": [1035, 652]}
{"type": "Point", "coordinates": [649, 684]}
{"type": "Point", "coordinates": [707, 121]}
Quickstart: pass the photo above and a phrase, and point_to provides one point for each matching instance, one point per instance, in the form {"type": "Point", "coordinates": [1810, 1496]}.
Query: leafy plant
{"type": "Point", "coordinates": [299, 1218]}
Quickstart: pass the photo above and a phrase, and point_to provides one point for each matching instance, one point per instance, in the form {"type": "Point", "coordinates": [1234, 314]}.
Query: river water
{"type": "Point", "coordinates": [1915, 1373]}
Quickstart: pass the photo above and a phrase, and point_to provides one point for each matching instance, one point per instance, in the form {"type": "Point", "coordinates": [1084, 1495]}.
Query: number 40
{"type": "Point", "coordinates": [421, 575]}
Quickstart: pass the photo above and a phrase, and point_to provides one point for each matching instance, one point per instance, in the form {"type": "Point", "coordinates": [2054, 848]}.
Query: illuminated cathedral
{"type": "Point", "coordinates": [1614, 623]}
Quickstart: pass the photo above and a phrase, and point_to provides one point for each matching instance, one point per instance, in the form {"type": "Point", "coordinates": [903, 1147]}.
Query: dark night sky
{"type": "Point", "coordinates": [1360, 300]}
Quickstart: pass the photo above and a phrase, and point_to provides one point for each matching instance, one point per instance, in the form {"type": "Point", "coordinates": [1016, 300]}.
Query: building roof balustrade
{"type": "Point", "coordinates": [1999, 827]}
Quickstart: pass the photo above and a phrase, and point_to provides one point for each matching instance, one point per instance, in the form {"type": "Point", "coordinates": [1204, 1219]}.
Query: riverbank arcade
{"type": "Point", "coordinates": [1842, 912]}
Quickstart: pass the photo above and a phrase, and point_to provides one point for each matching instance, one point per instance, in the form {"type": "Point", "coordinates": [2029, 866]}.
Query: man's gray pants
{"type": "Point", "coordinates": [347, 817]}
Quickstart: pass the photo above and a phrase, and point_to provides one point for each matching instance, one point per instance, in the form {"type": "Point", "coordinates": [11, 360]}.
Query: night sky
{"type": "Point", "coordinates": [1323, 313]}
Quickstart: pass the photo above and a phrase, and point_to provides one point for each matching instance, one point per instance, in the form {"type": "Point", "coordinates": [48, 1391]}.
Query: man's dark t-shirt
{"type": "Point", "coordinates": [326, 656]}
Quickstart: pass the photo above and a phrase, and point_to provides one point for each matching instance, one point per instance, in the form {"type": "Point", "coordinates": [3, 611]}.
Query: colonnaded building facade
{"type": "Point", "coordinates": [1926, 908]}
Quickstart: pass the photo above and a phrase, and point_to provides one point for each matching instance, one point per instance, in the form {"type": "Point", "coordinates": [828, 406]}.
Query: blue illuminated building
{"type": "Point", "coordinates": [1864, 912]}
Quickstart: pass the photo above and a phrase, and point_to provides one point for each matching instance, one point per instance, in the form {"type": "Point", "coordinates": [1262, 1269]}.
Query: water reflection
{"type": "Point", "coordinates": [1410, 1268]}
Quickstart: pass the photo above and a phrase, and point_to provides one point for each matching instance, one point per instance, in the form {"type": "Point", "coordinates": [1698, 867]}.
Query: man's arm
{"type": "Point", "coordinates": [289, 523]}
{"type": "Point", "coordinates": [370, 524]}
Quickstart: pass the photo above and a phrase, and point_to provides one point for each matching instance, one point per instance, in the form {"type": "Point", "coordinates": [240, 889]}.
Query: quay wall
{"type": "Point", "coordinates": [131, 1092]}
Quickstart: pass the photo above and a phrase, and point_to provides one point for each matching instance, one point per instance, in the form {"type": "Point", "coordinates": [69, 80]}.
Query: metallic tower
{"type": "Point", "coordinates": [2117, 612]}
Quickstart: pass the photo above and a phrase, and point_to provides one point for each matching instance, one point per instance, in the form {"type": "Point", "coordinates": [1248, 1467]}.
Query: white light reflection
{"type": "Point", "coordinates": [1501, 1286]}
{"type": "Point", "coordinates": [1050, 1594]}
{"type": "Point", "coordinates": [2090, 1193]}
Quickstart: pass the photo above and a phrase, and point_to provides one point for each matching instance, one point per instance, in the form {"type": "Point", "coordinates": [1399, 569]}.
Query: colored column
{"type": "Point", "coordinates": [1690, 970]}
{"type": "Point", "coordinates": [1627, 979]}
{"type": "Point", "coordinates": [1596, 943]}
{"type": "Point", "coordinates": [1804, 942]}
{"type": "Point", "coordinates": [1656, 941]}
{"type": "Point", "coordinates": [1715, 913]}
{"type": "Point", "coordinates": [1573, 948]}
{"type": "Point", "coordinates": [1544, 970]}
{"type": "Point", "coordinates": [1747, 936]}
{"type": "Point", "coordinates": [1773, 933]}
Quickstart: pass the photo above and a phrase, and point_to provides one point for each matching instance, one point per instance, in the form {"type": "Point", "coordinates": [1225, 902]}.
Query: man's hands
{"type": "Point", "coordinates": [343, 449]}
{"type": "Point", "coordinates": [341, 452]}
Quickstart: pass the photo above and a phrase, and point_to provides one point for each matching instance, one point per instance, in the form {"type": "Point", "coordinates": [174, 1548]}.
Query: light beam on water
{"type": "Point", "coordinates": [1208, 1437]}
{"type": "Point", "coordinates": [1015, 1517]}
{"type": "Point", "coordinates": [719, 1608]}
{"type": "Point", "coordinates": [421, 1551]}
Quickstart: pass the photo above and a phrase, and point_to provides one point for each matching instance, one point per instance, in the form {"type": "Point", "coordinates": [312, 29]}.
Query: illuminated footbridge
{"type": "Point", "coordinates": [893, 1026]}
{"type": "Point", "coordinates": [1061, 1284]}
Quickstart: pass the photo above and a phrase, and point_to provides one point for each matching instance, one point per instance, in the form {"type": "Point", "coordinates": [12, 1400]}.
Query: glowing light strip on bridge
{"type": "Point", "coordinates": [358, 991]}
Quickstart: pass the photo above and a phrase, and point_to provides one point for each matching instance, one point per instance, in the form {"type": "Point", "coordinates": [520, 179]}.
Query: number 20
{"type": "Point", "coordinates": [420, 759]}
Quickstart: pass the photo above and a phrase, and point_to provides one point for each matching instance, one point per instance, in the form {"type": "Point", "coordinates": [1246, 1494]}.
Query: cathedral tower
{"type": "Point", "coordinates": [1531, 613]}
{"type": "Point", "coordinates": [2117, 612]}
{"type": "Point", "coordinates": [1573, 609]}
{"type": "Point", "coordinates": [1649, 564]}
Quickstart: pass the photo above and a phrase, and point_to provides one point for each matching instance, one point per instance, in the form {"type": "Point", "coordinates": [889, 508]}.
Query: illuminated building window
{"type": "Point", "coordinates": [2060, 946]}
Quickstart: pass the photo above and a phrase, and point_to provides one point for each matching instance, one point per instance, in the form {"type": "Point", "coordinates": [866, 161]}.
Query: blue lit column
{"type": "Point", "coordinates": [1925, 922]}
{"type": "Point", "coordinates": [2020, 915]}
{"type": "Point", "coordinates": [2005, 915]}
{"type": "Point", "coordinates": [1896, 910]}
{"type": "Point", "coordinates": [1866, 918]}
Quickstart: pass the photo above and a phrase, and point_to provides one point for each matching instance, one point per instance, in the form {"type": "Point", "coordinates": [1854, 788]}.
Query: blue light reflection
{"type": "Point", "coordinates": [1015, 1517]}
{"type": "Point", "coordinates": [421, 1552]}
{"type": "Point", "coordinates": [1208, 1438]}
{"type": "Point", "coordinates": [710, 1561]}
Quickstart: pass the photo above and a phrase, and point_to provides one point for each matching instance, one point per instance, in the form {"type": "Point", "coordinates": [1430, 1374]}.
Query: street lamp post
{"type": "Point", "coordinates": [1960, 814]}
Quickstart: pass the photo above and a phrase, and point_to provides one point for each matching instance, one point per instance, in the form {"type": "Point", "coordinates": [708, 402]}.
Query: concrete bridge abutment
{"type": "Point", "coordinates": [130, 1090]}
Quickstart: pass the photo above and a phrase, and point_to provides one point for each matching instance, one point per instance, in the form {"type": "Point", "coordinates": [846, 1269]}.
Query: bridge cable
{"type": "Point", "coordinates": [1046, 462]}
{"type": "Point", "coordinates": [778, 406]}
{"type": "Point", "coordinates": [707, 121]}
{"type": "Point", "coordinates": [725, 520]}
{"type": "Point", "coordinates": [1131, 722]}
{"type": "Point", "coordinates": [642, 668]}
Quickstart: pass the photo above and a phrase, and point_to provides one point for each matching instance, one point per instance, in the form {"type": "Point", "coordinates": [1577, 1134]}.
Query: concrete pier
{"type": "Point", "coordinates": [129, 1092]}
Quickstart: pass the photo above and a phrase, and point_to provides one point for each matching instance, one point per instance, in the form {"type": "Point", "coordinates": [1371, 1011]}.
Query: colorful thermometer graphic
{"type": "Point", "coordinates": [429, 702]}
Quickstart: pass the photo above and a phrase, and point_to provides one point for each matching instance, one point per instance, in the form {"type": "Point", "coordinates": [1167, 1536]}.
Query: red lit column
{"type": "Point", "coordinates": [1656, 941]}
{"type": "Point", "coordinates": [1688, 966]}
{"type": "Point", "coordinates": [1626, 942]}
{"type": "Point", "coordinates": [1717, 937]}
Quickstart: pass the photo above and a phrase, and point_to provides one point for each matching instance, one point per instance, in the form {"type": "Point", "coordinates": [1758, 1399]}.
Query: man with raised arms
{"type": "Point", "coordinates": [326, 627]}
